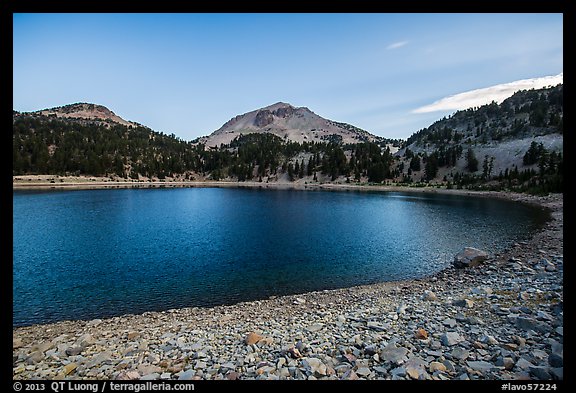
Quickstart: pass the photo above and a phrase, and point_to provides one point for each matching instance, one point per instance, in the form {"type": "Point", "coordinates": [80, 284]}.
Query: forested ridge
{"type": "Point", "coordinates": [43, 145]}
{"type": "Point", "coordinates": [449, 153]}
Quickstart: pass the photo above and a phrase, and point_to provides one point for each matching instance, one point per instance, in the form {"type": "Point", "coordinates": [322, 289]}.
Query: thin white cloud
{"type": "Point", "coordinates": [486, 95]}
{"type": "Point", "coordinates": [396, 45]}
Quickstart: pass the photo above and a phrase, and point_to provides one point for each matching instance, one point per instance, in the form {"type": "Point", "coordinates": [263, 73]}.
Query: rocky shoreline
{"type": "Point", "coordinates": [502, 319]}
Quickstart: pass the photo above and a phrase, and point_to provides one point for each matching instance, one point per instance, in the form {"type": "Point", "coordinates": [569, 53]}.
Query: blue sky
{"type": "Point", "coordinates": [187, 74]}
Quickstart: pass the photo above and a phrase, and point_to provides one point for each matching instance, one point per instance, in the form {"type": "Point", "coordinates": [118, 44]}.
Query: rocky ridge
{"type": "Point", "coordinates": [502, 319]}
{"type": "Point", "coordinates": [297, 124]}
{"type": "Point", "coordinates": [81, 111]}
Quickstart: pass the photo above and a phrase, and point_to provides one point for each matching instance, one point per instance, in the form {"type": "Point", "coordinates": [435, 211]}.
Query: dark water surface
{"type": "Point", "coordinates": [97, 253]}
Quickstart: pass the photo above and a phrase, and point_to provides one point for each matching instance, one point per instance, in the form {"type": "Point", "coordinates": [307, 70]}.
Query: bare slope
{"type": "Point", "coordinates": [298, 124]}
{"type": "Point", "coordinates": [84, 111]}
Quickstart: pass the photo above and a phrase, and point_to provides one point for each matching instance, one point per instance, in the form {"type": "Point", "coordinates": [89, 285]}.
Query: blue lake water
{"type": "Point", "coordinates": [97, 253]}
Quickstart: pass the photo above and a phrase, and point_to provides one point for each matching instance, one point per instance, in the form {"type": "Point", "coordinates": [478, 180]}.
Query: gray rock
{"type": "Point", "coordinates": [557, 372]}
{"type": "Point", "coordinates": [525, 323]}
{"type": "Point", "coordinates": [378, 327]}
{"type": "Point", "coordinates": [371, 350]}
{"type": "Point", "coordinates": [381, 370]}
{"type": "Point", "coordinates": [350, 375]}
{"type": "Point", "coordinates": [315, 327]}
{"type": "Point", "coordinates": [489, 340]}
{"type": "Point", "coordinates": [461, 317]}
{"type": "Point", "coordinates": [539, 354]}
{"type": "Point", "coordinates": [232, 366]}
{"type": "Point", "coordinates": [544, 316]}
{"type": "Point", "coordinates": [43, 346]}
{"type": "Point", "coordinates": [314, 366]}
{"type": "Point", "coordinates": [482, 291]}
{"type": "Point", "coordinates": [393, 354]}
{"type": "Point", "coordinates": [363, 371]}
{"type": "Point", "coordinates": [85, 340]}
{"type": "Point", "coordinates": [301, 347]}
{"type": "Point", "coordinates": [279, 364]}
{"type": "Point", "coordinates": [474, 320]}
{"type": "Point", "coordinates": [540, 372]}
{"type": "Point", "coordinates": [435, 345]}
{"type": "Point", "coordinates": [449, 366]}
{"type": "Point", "coordinates": [17, 343]}
{"type": "Point", "coordinates": [186, 375]}
{"type": "Point", "coordinates": [94, 322]}
{"type": "Point", "coordinates": [433, 353]}
{"type": "Point", "coordinates": [35, 357]}
{"type": "Point", "coordinates": [560, 330]}
{"type": "Point", "coordinates": [451, 338]}
{"type": "Point", "coordinates": [450, 322]}
{"type": "Point", "coordinates": [128, 376]}
{"type": "Point", "coordinates": [557, 347]}
{"type": "Point", "coordinates": [150, 377]}
{"type": "Point", "coordinates": [480, 365]}
{"type": "Point", "coordinates": [197, 346]}
{"type": "Point", "coordinates": [506, 362]}
{"type": "Point", "coordinates": [73, 351]}
{"type": "Point", "coordinates": [467, 303]}
{"type": "Point", "coordinates": [146, 369]}
{"type": "Point", "coordinates": [398, 371]}
{"type": "Point", "coordinates": [523, 364]}
{"type": "Point", "coordinates": [555, 360]}
{"type": "Point", "coordinates": [460, 353]}
{"type": "Point", "coordinates": [430, 296]}
{"type": "Point", "coordinates": [416, 368]}
{"type": "Point", "coordinates": [283, 372]}
{"type": "Point", "coordinates": [525, 310]}
{"type": "Point", "coordinates": [469, 257]}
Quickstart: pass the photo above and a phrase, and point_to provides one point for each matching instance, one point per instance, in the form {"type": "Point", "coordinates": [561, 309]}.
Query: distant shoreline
{"type": "Point", "coordinates": [68, 183]}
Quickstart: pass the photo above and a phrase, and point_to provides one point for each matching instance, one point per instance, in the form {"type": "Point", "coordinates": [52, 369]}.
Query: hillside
{"type": "Point", "coordinates": [87, 139]}
{"type": "Point", "coordinates": [482, 145]}
{"type": "Point", "coordinates": [517, 145]}
{"type": "Point", "coordinates": [289, 123]}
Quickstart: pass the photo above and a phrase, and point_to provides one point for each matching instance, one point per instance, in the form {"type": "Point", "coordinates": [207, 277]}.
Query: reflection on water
{"type": "Point", "coordinates": [97, 253]}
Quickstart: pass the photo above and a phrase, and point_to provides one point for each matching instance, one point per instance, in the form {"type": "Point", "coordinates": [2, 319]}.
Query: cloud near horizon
{"type": "Point", "coordinates": [498, 93]}
{"type": "Point", "coordinates": [396, 45]}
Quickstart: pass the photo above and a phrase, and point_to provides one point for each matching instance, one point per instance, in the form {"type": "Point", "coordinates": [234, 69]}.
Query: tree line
{"type": "Point", "coordinates": [43, 145]}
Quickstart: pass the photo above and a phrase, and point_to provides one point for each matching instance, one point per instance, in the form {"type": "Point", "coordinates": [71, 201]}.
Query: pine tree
{"type": "Point", "coordinates": [471, 161]}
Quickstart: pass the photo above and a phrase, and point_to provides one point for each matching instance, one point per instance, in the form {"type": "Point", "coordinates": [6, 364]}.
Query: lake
{"type": "Point", "coordinates": [88, 254]}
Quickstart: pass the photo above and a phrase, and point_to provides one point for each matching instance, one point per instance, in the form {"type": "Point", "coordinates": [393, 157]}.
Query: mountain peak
{"type": "Point", "coordinates": [84, 111]}
{"type": "Point", "coordinates": [298, 124]}
{"type": "Point", "coordinates": [278, 105]}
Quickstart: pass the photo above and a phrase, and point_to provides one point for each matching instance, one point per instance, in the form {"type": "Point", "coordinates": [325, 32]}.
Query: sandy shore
{"type": "Point", "coordinates": [500, 320]}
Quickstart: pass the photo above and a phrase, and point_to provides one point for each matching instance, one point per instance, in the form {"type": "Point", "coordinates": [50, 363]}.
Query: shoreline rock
{"type": "Point", "coordinates": [469, 257]}
{"type": "Point", "coordinates": [365, 332]}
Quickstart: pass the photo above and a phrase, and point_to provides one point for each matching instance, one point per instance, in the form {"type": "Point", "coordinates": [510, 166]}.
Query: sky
{"type": "Point", "coordinates": [187, 74]}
